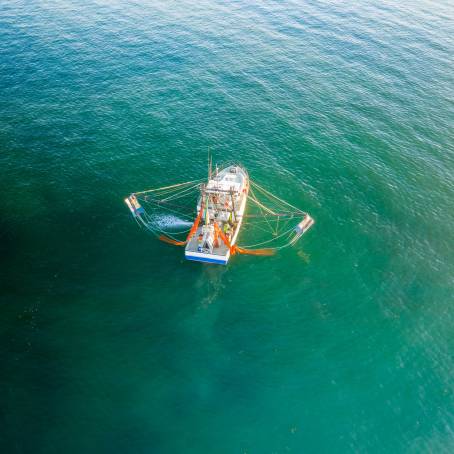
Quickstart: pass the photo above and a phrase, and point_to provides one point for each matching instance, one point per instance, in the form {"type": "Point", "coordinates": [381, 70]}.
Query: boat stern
{"type": "Point", "coordinates": [207, 258]}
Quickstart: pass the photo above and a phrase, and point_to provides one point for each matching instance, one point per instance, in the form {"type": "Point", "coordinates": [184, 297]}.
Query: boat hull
{"type": "Point", "coordinates": [208, 258]}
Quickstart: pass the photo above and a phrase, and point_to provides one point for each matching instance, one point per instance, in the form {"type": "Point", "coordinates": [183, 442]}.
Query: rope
{"type": "Point", "coordinates": [172, 233]}
{"type": "Point", "coordinates": [169, 187]}
{"type": "Point", "coordinates": [275, 197]}
{"type": "Point", "coordinates": [254, 199]}
{"type": "Point", "coordinates": [179, 194]}
{"type": "Point", "coordinates": [278, 216]}
{"type": "Point", "coordinates": [183, 215]}
{"type": "Point", "coordinates": [269, 241]}
{"type": "Point", "coordinates": [253, 195]}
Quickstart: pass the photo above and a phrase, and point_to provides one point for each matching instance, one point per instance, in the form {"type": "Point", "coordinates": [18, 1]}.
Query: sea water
{"type": "Point", "coordinates": [112, 342]}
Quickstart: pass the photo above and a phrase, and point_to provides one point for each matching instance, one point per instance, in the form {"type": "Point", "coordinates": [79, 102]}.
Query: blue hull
{"type": "Point", "coordinates": [207, 260]}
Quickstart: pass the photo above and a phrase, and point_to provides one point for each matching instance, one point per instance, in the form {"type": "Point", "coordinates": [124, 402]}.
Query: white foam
{"type": "Point", "coordinates": [169, 221]}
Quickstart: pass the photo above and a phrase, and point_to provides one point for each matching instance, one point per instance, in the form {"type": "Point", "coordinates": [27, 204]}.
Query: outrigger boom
{"type": "Point", "coordinates": [221, 206]}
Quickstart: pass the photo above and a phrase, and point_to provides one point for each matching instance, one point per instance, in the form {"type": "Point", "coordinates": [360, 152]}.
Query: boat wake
{"type": "Point", "coordinates": [170, 222]}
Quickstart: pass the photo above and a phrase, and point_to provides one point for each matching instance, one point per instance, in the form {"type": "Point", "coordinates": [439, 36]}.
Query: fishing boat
{"type": "Point", "coordinates": [221, 208]}
{"type": "Point", "coordinates": [221, 202]}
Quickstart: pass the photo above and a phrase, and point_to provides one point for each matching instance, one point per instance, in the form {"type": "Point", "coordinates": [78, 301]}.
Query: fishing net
{"type": "Point", "coordinates": [269, 223]}
{"type": "Point", "coordinates": [168, 211]}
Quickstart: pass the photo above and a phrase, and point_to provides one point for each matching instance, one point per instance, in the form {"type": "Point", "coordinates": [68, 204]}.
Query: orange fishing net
{"type": "Point", "coordinates": [234, 249]}
{"type": "Point", "coordinates": [195, 225]}
{"type": "Point", "coordinates": [166, 239]}
{"type": "Point", "coordinates": [241, 250]}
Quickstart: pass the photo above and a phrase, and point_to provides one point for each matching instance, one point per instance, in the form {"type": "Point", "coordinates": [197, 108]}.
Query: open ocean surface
{"type": "Point", "coordinates": [111, 342]}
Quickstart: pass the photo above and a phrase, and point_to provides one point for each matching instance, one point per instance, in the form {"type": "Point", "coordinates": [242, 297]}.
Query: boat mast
{"type": "Point", "coordinates": [207, 213]}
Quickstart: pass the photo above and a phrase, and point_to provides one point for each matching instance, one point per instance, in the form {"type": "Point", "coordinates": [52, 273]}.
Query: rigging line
{"type": "Point", "coordinates": [179, 195]}
{"type": "Point", "coordinates": [254, 223]}
{"type": "Point", "coordinates": [279, 226]}
{"type": "Point", "coordinates": [283, 222]}
{"type": "Point", "coordinates": [183, 215]}
{"type": "Point", "coordinates": [253, 226]}
{"type": "Point", "coordinates": [165, 204]}
{"type": "Point", "coordinates": [280, 215]}
{"type": "Point", "coordinates": [153, 195]}
{"type": "Point", "coordinates": [288, 244]}
{"type": "Point", "coordinates": [171, 232]}
{"type": "Point", "coordinates": [269, 241]}
{"type": "Point", "coordinates": [171, 186]}
{"type": "Point", "coordinates": [188, 208]}
{"type": "Point", "coordinates": [161, 194]}
{"type": "Point", "coordinates": [139, 218]}
{"type": "Point", "coordinates": [157, 192]}
{"type": "Point", "coordinates": [263, 230]}
{"type": "Point", "coordinates": [177, 191]}
{"type": "Point", "coordinates": [255, 198]}
{"type": "Point", "coordinates": [274, 202]}
{"type": "Point", "coordinates": [251, 197]}
{"type": "Point", "coordinates": [275, 197]}
{"type": "Point", "coordinates": [147, 218]}
{"type": "Point", "coordinates": [148, 226]}
{"type": "Point", "coordinates": [176, 208]}
{"type": "Point", "coordinates": [168, 192]}
{"type": "Point", "coordinates": [263, 206]}
{"type": "Point", "coordinates": [188, 216]}
{"type": "Point", "coordinates": [168, 234]}
{"type": "Point", "coordinates": [285, 217]}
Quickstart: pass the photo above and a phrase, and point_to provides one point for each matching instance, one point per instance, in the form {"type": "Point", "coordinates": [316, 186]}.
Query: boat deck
{"type": "Point", "coordinates": [192, 246]}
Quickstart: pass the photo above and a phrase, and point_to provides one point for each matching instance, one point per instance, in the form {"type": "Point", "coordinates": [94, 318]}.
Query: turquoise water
{"type": "Point", "coordinates": [111, 342]}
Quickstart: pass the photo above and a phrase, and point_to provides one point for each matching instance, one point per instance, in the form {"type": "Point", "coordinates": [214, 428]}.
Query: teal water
{"type": "Point", "coordinates": [111, 342]}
